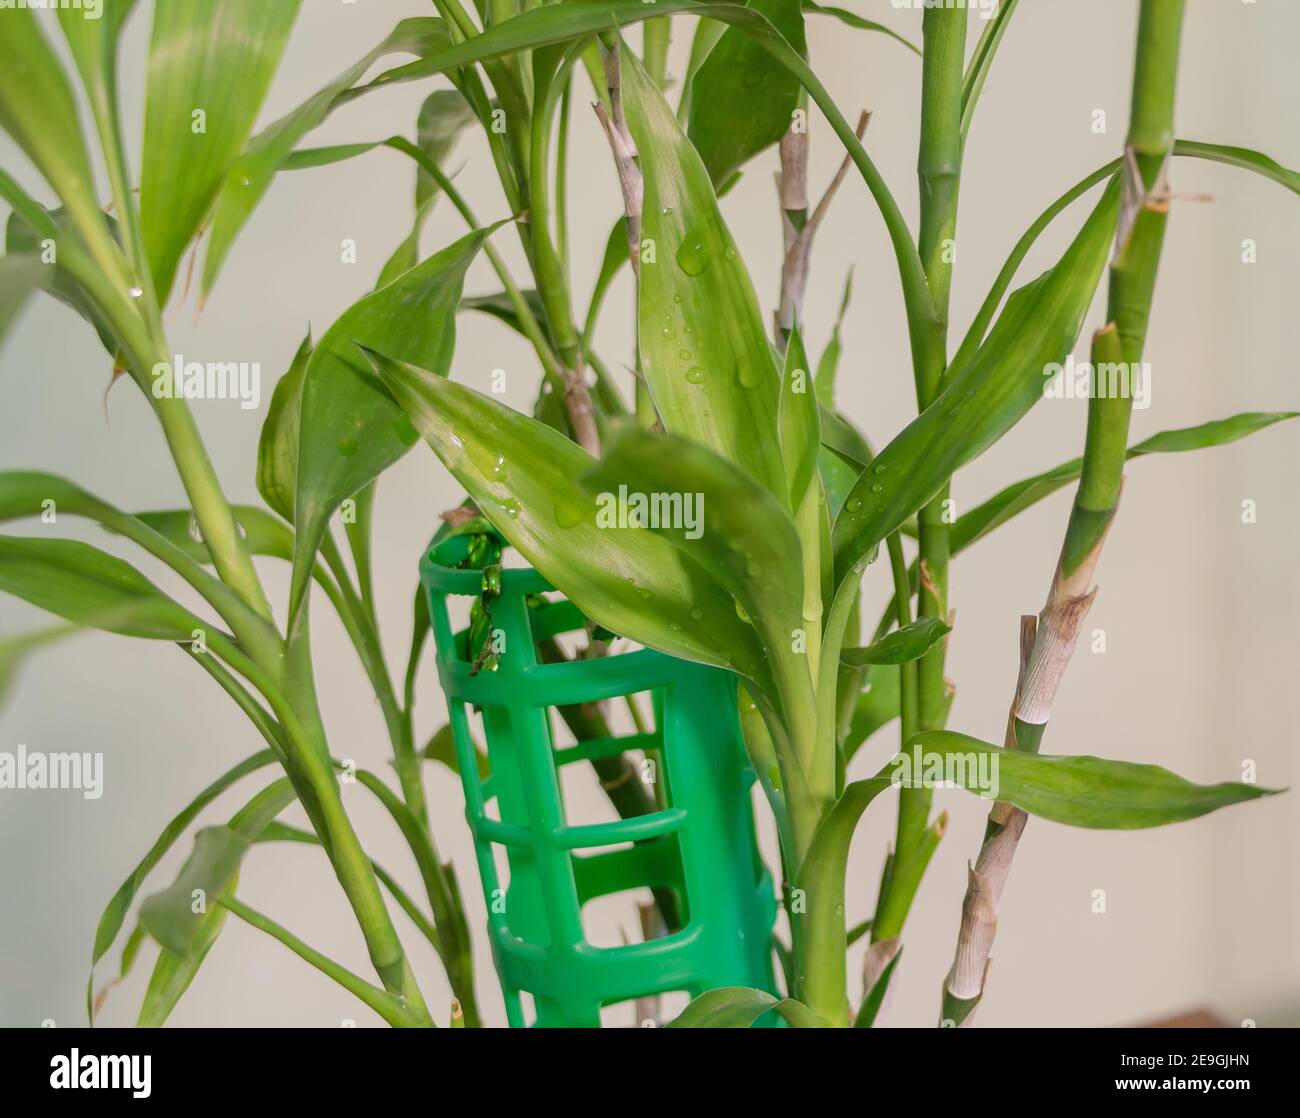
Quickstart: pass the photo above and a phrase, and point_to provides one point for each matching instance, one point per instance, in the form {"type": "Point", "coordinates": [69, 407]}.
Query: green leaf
{"type": "Point", "coordinates": [441, 747]}
{"type": "Point", "coordinates": [742, 98]}
{"type": "Point", "coordinates": [351, 430]}
{"type": "Point", "coordinates": [250, 177]}
{"type": "Point", "coordinates": [1081, 791]}
{"type": "Point", "coordinates": [745, 537]}
{"type": "Point", "coordinates": [173, 972]}
{"type": "Point", "coordinates": [443, 116]}
{"type": "Point", "coordinates": [798, 422]}
{"type": "Point", "coordinates": [852, 19]}
{"type": "Point", "coordinates": [262, 532]}
{"type": "Point", "coordinates": [1245, 158]}
{"type": "Point", "coordinates": [829, 362]}
{"type": "Point", "coordinates": [53, 278]}
{"type": "Point", "coordinates": [738, 1007]}
{"type": "Point", "coordinates": [499, 306]}
{"type": "Point", "coordinates": [1014, 499]}
{"type": "Point", "coordinates": [524, 476]}
{"type": "Point", "coordinates": [170, 916]}
{"type": "Point", "coordinates": [704, 349]}
{"type": "Point", "coordinates": [110, 923]}
{"type": "Point", "coordinates": [19, 275]}
{"type": "Point", "coordinates": [216, 59]}
{"type": "Point", "coordinates": [984, 395]}
{"type": "Point", "coordinates": [90, 587]}
{"type": "Point", "coordinates": [38, 109]}
{"type": "Point", "coordinates": [902, 646]}
{"type": "Point", "coordinates": [611, 262]}
{"type": "Point", "coordinates": [277, 448]}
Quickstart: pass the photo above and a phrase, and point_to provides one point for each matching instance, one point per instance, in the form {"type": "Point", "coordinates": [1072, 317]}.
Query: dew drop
{"type": "Point", "coordinates": [136, 292]}
{"type": "Point", "coordinates": [675, 626]}
{"type": "Point", "coordinates": [666, 210]}
{"type": "Point", "coordinates": [740, 611]}
{"type": "Point", "coordinates": [853, 504]}
{"type": "Point", "coordinates": [877, 488]}
{"type": "Point", "coordinates": [747, 375]}
{"type": "Point", "coordinates": [509, 507]}
{"type": "Point", "coordinates": [730, 253]}
{"type": "Point", "coordinates": [669, 333]}
{"type": "Point", "coordinates": [695, 375]}
{"type": "Point", "coordinates": [880, 468]}
{"type": "Point", "coordinates": [693, 253]}
{"type": "Point", "coordinates": [684, 354]}
{"type": "Point", "coordinates": [697, 614]}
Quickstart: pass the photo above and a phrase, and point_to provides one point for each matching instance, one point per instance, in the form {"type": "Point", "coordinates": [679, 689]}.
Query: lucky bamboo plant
{"type": "Point", "coordinates": [719, 411]}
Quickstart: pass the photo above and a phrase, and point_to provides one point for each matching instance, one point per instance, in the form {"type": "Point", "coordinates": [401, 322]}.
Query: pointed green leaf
{"type": "Point", "coordinates": [53, 278]}
{"type": "Point", "coordinates": [738, 1007]}
{"type": "Point", "coordinates": [985, 395]}
{"type": "Point", "coordinates": [173, 916]}
{"type": "Point", "coordinates": [350, 429]}
{"type": "Point", "coordinates": [210, 66]}
{"type": "Point", "coordinates": [704, 349]}
{"type": "Point", "coordinates": [798, 421]}
{"type": "Point", "coordinates": [745, 537]}
{"type": "Point", "coordinates": [1081, 791]}
{"type": "Point", "coordinates": [110, 923]}
{"type": "Point", "coordinates": [902, 646]}
{"type": "Point", "coordinates": [829, 362]}
{"type": "Point", "coordinates": [19, 276]}
{"type": "Point", "coordinates": [90, 587]}
{"type": "Point", "coordinates": [852, 19]}
{"type": "Point", "coordinates": [443, 116]}
{"type": "Point", "coordinates": [1245, 158]}
{"type": "Point", "coordinates": [263, 533]}
{"type": "Point", "coordinates": [524, 476]}
{"type": "Point", "coordinates": [38, 109]}
{"type": "Point", "coordinates": [248, 179]}
{"type": "Point", "coordinates": [196, 932]}
{"type": "Point", "coordinates": [1014, 499]}
{"type": "Point", "coordinates": [742, 98]}
{"type": "Point", "coordinates": [277, 448]}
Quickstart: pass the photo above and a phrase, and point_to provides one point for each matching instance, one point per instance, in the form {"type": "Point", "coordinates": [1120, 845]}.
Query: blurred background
{"type": "Point", "coordinates": [1198, 608]}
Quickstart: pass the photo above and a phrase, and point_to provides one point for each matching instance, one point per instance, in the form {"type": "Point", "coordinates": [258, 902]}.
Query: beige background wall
{"type": "Point", "coordinates": [1199, 610]}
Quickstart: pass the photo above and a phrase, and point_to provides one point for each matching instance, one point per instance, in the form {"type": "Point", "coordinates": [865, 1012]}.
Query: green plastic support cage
{"type": "Point", "coordinates": [697, 844]}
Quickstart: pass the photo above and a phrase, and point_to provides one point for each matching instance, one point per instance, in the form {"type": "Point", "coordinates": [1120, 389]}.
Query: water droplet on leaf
{"type": "Point", "coordinates": [693, 253]}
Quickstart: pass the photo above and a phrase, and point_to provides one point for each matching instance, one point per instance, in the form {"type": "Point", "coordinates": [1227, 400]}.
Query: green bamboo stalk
{"type": "Point", "coordinates": [1047, 645]}
{"type": "Point", "coordinates": [938, 173]}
